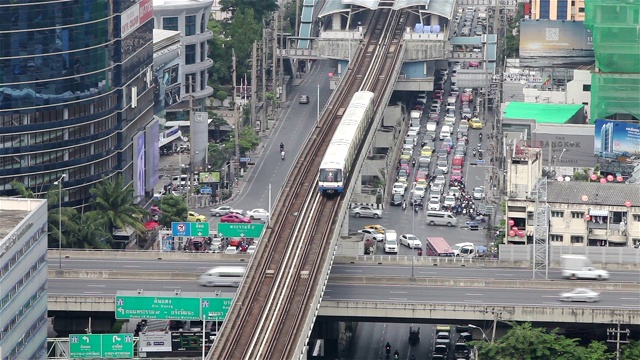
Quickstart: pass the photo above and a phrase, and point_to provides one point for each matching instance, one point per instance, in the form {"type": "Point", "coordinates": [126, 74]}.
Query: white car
{"type": "Point", "coordinates": [454, 191]}
{"type": "Point", "coordinates": [225, 210]}
{"type": "Point", "coordinates": [435, 197]}
{"type": "Point", "coordinates": [391, 246]}
{"type": "Point", "coordinates": [580, 294]}
{"type": "Point", "coordinates": [444, 166]}
{"type": "Point", "coordinates": [366, 211]}
{"type": "Point", "coordinates": [436, 187]}
{"type": "Point", "coordinates": [372, 234]}
{"type": "Point", "coordinates": [433, 205]}
{"type": "Point", "coordinates": [411, 241]}
{"type": "Point", "coordinates": [258, 214]}
{"type": "Point", "coordinates": [251, 249]}
{"type": "Point", "coordinates": [419, 190]}
{"type": "Point", "coordinates": [449, 200]}
{"type": "Point", "coordinates": [398, 188]}
{"type": "Point", "coordinates": [478, 193]}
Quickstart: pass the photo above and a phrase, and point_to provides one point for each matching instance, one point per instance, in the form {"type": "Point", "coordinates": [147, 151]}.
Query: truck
{"type": "Point", "coordinates": [580, 267]}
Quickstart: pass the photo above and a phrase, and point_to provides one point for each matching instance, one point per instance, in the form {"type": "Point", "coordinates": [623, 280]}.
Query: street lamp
{"type": "Point", "coordinates": [484, 336]}
{"type": "Point", "coordinates": [59, 183]}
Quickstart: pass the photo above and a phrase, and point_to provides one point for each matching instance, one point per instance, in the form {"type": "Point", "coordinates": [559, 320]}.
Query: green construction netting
{"type": "Point", "coordinates": [614, 94]}
{"type": "Point", "coordinates": [615, 26]}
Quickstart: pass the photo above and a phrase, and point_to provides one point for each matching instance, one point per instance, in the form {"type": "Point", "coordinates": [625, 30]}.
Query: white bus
{"type": "Point", "coordinates": [222, 276]}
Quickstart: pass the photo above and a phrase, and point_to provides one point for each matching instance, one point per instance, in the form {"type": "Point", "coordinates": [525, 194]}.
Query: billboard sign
{"type": "Point", "coordinates": [616, 138]}
{"type": "Point", "coordinates": [154, 341]}
{"type": "Point", "coordinates": [555, 43]}
{"type": "Point", "coordinates": [209, 177]}
{"type": "Point", "coordinates": [166, 84]}
{"type": "Point", "coordinates": [152, 155]}
{"type": "Point", "coordinates": [135, 16]}
{"type": "Point", "coordinates": [139, 171]}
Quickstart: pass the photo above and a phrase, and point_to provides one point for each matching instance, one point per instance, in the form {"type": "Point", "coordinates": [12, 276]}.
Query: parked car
{"type": "Point", "coordinates": [366, 211]}
{"type": "Point", "coordinates": [224, 210]}
{"type": "Point", "coordinates": [234, 218]}
{"type": "Point", "coordinates": [410, 241]}
{"type": "Point", "coordinates": [580, 294]}
{"type": "Point", "coordinates": [193, 216]}
{"type": "Point", "coordinates": [258, 214]}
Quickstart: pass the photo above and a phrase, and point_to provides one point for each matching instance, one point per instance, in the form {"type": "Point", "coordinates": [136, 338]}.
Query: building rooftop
{"type": "Point", "coordinates": [10, 219]}
{"type": "Point", "coordinates": [13, 211]}
{"type": "Point", "coordinates": [609, 194]}
{"type": "Point", "coordinates": [542, 112]}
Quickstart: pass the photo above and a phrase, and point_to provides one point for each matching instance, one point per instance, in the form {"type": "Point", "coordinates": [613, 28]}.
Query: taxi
{"type": "Point", "coordinates": [421, 182]}
{"type": "Point", "coordinates": [406, 155]}
{"type": "Point", "coordinates": [426, 151]}
{"type": "Point", "coordinates": [378, 228]}
{"type": "Point", "coordinates": [475, 123]}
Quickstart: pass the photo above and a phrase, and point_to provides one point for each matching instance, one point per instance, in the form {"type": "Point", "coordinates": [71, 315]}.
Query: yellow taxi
{"type": "Point", "coordinates": [426, 150]}
{"type": "Point", "coordinates": [195, 217]}
{"type": "Point", "coordinates": [421, 182]}
{"type": "Point", "coordinates": [406, 155]}
{"type": "Point", "coordinates": [475, 123]}
{"type": "Point", "coordinates": [378, 228]}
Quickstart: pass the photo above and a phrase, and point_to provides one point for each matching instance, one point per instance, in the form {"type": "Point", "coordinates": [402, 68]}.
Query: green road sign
{"type": "Point", "coordinates": [200, 229]}
{"type": "Point", "coordinates": [157, 307]}
{"type": "Point", "coordinates": [240, 230]}
{"type": "Point", "coordinates": [215, 308]}
{"type": "Point", "coordinates": [112, 346]}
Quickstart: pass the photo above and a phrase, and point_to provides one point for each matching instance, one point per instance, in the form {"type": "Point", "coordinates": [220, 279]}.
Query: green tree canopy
{"type": "Point", "coordinates": [113, 201]}
{"type": "Point", "coordinates": [174, 209]}
{"type": "Point", "coordinates": [243, 30]}
{"type": "Point", "coordinates": [631, 351]}
{"type": "Point", "coordinates": [260, 8]}
{"type": "Point", "coordinates": [524, 342]}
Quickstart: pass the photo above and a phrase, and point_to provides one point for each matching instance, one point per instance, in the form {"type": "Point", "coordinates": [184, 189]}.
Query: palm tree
{"type": "Point", "coordinates": [89, 231]}
{"type": "Point", "coordinates": [113, 202]}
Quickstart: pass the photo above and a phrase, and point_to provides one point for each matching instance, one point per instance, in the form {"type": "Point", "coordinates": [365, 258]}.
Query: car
{"type": "Point", "coordinates": [449, 200]}
{"type": "Point", "coordinates": [456, 174]}
{"type": "Point", "coordinates": [404, 182]}
{"type": "Point", "coordinates": [378, 228]}
{"type": "Point", "coordinates": [371, 234]}
{"type": "Point", "coordinates": [403, 162]}
{"type": "Point", "coordinates": [455, 191]}
{"type": "Point", "coordinates": [580, 294]}
{"type": "Point", "coordinates": [410, 241]}
{"type": "Point", "coordinates": [407, 147]}
{"type": "Point", "coordinates": [442, 152]}
{"type": "Point", "coordinates": [396, 199]}
{"type": "Point", "coordinates": [224, 210]}
{"type": "Point", "coordinates": [193, 216]}
{"type": "Point", "coordinates": [437, 188]}
{"type": "Point", "coordinates": [231, 250]}
{"type": "Point", "coordinates": [419, 190]}
{"type": "Point", "coordinates": [406, 155]}
{"type": "Point", "coordinates": [426, 151]}
{"type": "Point", "coordinates": [304, 99]}
{"type": "Point", "coordinates": [444, 166]}
{"type": "Point", "coordinates": [398, 188]}
{"type": "Point", "coordinates": [448, 141]}
{"type": "Point", "coordinates": [433, 204]}
{"type": "Point", "coordinates": [258, 214]}
{"type": "Point", "coordinates": [366, 211]}
{"type": "Point", "coordinates": [424, 160]}
{"type": "Point", "coordinates": [251, 249]}
{"type": "Point", "coordinates": [475, 123]}
{"type": "Point", "coordinates": [446, 147]}
{"type": "Point", "coordinates": [478, 193]}
{"type": "Point", "coordinates": [235, 218]}
{"type": "Point", "coordinates": [406, 168]}
{"type": "Point", "coordinates": [464, 122]}
{"type": "Point", "coordinates": [421, 175]}
{"type": "Point", "coordinates": [403, 173]}
{"type": "Point", "coordinates": [458, 160]}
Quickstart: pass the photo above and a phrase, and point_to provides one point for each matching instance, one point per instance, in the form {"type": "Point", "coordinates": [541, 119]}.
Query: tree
{"type": "Point", "coordinates": [219, 154]}
{"type": "Point", "coordinates": [243, 31]}
{"type": "Point", "coordinates": [174, 209]}
{"type": "Point", "coordinates": [88, 231]}
{"type": "Point", "coordinates": [113, 201]}
{"type": "Point", "coordinates": [220, 72]}
{"type": "Point", "coordinates": [221, 96]}
{"type": "Point", "coordinates": [524, 342]}
{"type": "Point", "coordinates": [631, 351]}
{"type": "Point", "coordinates": [260, 8]}
{"type": "Point", "coordinates": [248, 140]}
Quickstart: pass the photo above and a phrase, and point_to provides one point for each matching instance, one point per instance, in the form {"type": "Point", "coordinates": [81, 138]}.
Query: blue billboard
{"type": "Point", "coordinates": [616, 138]}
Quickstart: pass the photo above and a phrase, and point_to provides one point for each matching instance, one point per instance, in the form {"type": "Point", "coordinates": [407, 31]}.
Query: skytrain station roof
{"type": "Point", "coordinates": [442, 8]}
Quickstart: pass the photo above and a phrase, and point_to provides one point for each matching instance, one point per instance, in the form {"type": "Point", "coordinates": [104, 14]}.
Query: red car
{"type": "Point", "coordinates": [457, 160]}
{"type": "Point", "coordinates": [456, 174]}
{"type": "Point", "coordinates": [406, 167]}
{"type": "Point", "coordinates": [235, 218]}
{"type": "Point", "coordinates": [446, 146]}
{"type": "Point", "coordinates": [421, 175]}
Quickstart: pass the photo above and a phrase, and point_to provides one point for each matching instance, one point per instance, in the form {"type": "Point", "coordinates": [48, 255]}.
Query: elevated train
{"type": "Point", "coordinates": [335, 168]}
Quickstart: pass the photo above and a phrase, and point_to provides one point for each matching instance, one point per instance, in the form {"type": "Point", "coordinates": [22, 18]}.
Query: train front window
{"type": "Point", "coordinates": [330, 175]}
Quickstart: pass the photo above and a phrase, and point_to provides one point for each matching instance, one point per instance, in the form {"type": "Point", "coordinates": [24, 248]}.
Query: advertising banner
{"type": "Point", "coordinates": [555, 43]}
{"type": "Point", "coordinates": [167, 85]}
{"type": "Point", "coordinates": [139, 171]}
{"type": "Point", "coordinates": [152, 156]}
{"type": "Point", "coordinates": [209, 177]}
{"type": "Point", "coordinates": [154, 342]}
{"type": "Point", "coordinates": [135, 16]}
{"type": "Point", "coordinates": [616, 138]}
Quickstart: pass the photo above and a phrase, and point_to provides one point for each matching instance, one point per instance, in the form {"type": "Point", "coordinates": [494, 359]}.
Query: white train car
{"type": "Point", "coordinates": [338, 159]}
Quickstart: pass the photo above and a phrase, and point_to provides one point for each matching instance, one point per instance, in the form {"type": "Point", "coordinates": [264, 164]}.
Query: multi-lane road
{"type": "Point", "coordinates": [198, 267]}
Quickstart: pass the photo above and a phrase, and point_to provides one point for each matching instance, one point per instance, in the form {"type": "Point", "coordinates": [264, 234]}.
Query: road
{"type": "Point", "coordinates": [197, 267]}
{"type": "Point", "coordinates": [370, 339]}
{"type": "Point", "coordinates": [476, 296]}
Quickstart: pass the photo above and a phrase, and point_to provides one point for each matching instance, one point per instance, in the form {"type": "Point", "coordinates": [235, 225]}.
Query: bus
{"type": "Point", "coordinates": [437, 246]}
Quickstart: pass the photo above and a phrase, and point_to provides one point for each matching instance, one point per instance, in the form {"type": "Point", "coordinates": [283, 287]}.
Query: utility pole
{"type": "Point", "coordinates": [237, 117]}
{"type": "Point", "coordinates": [274, 55]}
{"type": "Point", "coordinates": [613, 336]}
{"type": "Point", "coordinates": [295, 31]}
{"type": "Point", "coordinates": [191, 86]}
{"type": "Point", "coordinates": [254, 88]}
{"type": "Point", "coordinates": [264, 76]}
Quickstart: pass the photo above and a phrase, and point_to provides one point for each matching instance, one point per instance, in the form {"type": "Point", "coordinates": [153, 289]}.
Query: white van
{"type": "Point", "coordinates": [222, 276]}
{"type": "Point", "coordinates": [441, 218]}
{"type": "Point", "coordinates": [445, 132]}
{"type": "Point", "coordinates": [415, 115]}
{"type": "Point", "coordinates": [431, 126]}
{"type": "Point", "coordinates": [390, 241]}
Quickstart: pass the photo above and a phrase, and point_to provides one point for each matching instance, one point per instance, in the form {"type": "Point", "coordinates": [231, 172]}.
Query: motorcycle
{"type": "Point", "coordinates": [282, 155]}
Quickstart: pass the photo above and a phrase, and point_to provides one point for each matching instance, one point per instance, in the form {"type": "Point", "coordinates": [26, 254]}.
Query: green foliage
{"type": "Point", "coordinates": [220, 50]}
{"type": "Point", "coordinates": [113, 201]}
{"type": "Point", "coordinates": [174, 209]}
{"type": "Point", "coordinates": [221, 95]}
{"type": "Point", "coordinates": [243, 30]}
{"type": "Point", "coordinates": [289, 17]}
{"type": "Point", "coordinates": [219, 154]}
{"type": "Point", "coordinates": [631, 351]}
{"type": "Point", "coordinates": [261, 8]}
{"type": "Point", "coordinates": [89, 231]}
{"type": "Point", "coordinates": [524, 342]}
{"type": "Point", "coordinates": [248, 140]}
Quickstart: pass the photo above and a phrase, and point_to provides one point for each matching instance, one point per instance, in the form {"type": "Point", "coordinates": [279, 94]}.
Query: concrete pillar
{"type": "Point", "coordinates": [435, 20]}
{"type": "Point", "coordinates": [336, 22]}
{"type": "Point", "coordinates": [344, 229]}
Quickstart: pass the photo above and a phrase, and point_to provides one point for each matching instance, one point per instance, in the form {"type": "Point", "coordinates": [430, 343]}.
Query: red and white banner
{"type": "Point", "coordinates": [135, 16]}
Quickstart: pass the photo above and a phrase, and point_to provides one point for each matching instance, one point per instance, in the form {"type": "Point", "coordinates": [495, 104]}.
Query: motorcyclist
{"type": "Point", "coordinates": [404, 204]}
{"type": "Point", "coordinates": [387, 348]}
{"type": "Point", "coordinates": [281, 147]}
{"type": "Point", "coordinates": [480, 136]}
{"type": "Point", "coordinates": [396, 355]}
{"type": "Point", "coordinates": [282, 154]}
{"type": "Point", "coordinates": [474, 152]}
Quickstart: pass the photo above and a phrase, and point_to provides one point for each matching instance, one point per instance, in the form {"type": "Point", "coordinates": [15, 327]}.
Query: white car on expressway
{"type": "Point", "coordinates": [225, 210]}
{"type": "Point", "coordinates": [258, 214]}
{"type": "Point", "coordinates": [580, 294]}
{"type": "Point", "coordinates": [410, 241]}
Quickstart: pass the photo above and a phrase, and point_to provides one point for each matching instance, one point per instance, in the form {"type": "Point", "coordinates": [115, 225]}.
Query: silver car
{"type": "Point", "coordinates": [225, 210]}
{"type": "Point", "coordinates": [580, 294]}
{"type": "Point", "coordinates": [366, 211]}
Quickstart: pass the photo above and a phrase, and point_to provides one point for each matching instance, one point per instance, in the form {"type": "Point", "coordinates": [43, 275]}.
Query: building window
{"type": "Point", "coordinates": [636, 217]}
{"type": "Point", "coordinates": [203, 51]}
{"type": "Point", "coordinates": [190, 25]}
{"type": "Point", "coordinates": [576, 239]}
{"type": "Point", "coordinates": [561, 13]}
{"type": "Point", "coordinates": [557, 214]}
{"type": "Point", "coordinates": [203, 80]}
{"type": "Point", "coordinates": [189, 83]}
{"type": "Point", "coordinates": [586, 87]}
{"type": "Point", "coordinates": [636, 242]}
{"type": "Point", "coordinates": [581, 10]}
{"type": "Point", "coordinates": [577, 215]}
{"type": "Point", "coordinates": [190, 54]}
{"type": "Point", "coordinates": [545, 6]}
{"type": "Point", "coordinates": [556, 238]}
{"type": "Point", "coordinates": [203, 23]}
{"type": "Point", "coordinates": [170, 23]}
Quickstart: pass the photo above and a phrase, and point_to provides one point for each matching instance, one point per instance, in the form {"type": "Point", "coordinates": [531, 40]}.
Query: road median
{"type": "Point", "coordinates": [120, 275]}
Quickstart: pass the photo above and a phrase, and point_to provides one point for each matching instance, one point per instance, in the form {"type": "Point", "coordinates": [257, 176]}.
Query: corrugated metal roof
{"type": "Point", "coordinates": [401, 4]}
{"type": "Point", "coordinates": [369, 4]}
{"type": "Point", "coordinates": [442, 8]}
{"type": "Point", "coordinates": [332, 7]}
{"type": "Point", "coordinates": [611, 194]}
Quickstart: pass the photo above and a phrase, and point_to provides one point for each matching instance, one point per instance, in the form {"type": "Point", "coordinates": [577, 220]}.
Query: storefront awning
{"type": "Point", "coordinates": [594, 212]}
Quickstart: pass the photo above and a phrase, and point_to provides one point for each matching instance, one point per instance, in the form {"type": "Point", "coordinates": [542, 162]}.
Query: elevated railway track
{"type": "Point", "coordinates": [271, 311]}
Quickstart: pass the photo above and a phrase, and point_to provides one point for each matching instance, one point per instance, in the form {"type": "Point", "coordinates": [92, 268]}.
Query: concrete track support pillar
{"type": "Point", "coordinates": [336, 22]}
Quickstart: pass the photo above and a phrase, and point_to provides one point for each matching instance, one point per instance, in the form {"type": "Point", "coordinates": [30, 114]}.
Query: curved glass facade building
{"type": "Point", "coordinates": [73, 91]}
